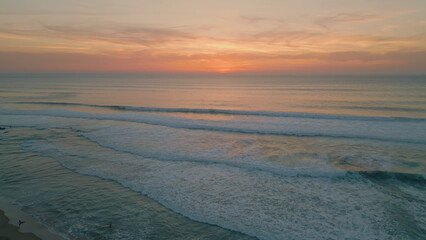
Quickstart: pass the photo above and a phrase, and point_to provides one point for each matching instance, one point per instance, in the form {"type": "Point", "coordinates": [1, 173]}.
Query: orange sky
{"type": "Point", "coordinates": [276, 36]}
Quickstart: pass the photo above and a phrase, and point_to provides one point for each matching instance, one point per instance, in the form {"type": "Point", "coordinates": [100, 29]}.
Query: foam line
{"type": "Point", "coordinates": [413, 132]}
{"type": "Point", "coordinates": [252, 202]}
{"type": "Point", "coordinates": [230, 112]}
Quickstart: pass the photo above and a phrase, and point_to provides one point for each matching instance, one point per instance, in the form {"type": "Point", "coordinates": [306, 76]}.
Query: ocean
{"type": "Point", "coordinates": [216, 156]}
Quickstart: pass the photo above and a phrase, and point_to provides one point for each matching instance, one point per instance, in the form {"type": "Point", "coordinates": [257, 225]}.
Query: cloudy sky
{"type": "Point", "coordinates": [280, 36]}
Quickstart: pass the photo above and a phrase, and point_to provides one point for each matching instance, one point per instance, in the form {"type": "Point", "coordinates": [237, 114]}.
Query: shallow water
{"type": "Point", "coordinates": [163, 157]}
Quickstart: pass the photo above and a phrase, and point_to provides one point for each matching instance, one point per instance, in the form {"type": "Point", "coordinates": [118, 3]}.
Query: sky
{"type": "Point", "coordinates": [219, 36]}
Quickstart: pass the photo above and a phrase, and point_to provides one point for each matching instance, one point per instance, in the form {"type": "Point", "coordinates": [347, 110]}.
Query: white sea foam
{"type": "Point", "coordinates": [263, 183]}
{"type": "Point", "coordinates": [225, 180]}
{"type": "Point", "coordinates": [414, 132]}
{"type": "Point", "coordinates": [253, 202]}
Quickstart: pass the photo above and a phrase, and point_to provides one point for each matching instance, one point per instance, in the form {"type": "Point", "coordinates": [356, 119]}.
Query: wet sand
{"type": "Point", "coordinates": [10, 232]}
{"type": "Point", "coordinates": [30, 230]}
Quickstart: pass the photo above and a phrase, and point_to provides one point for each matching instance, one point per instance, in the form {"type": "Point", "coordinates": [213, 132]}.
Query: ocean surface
{"type": "Point", "coordinates": [216, 156]}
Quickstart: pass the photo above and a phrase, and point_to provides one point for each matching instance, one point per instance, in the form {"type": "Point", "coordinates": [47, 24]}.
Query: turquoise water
{"type": "Point", "coordinates": [213, 157]}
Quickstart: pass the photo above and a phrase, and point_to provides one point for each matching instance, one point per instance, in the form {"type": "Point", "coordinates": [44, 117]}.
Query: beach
{"type": "Point", "coordinates": [11, 232]}
{"type": "Point", "coordinates": [31, 229]}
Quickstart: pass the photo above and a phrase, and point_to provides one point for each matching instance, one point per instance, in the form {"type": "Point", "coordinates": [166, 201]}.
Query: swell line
{"type": "Point", "coordinates": [230, 112]}
{"type": "Point", "coordinates": [412, 178]}
{"type": "Point", "coordinates": [409, 178]}
{"type": "Point", "coordinates": [246, 166]}
{"type": "Point", "coordinates": [181, 123]}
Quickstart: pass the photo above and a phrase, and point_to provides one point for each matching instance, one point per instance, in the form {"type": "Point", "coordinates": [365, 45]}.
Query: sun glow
{"type": "Point", "coordinates": [255, 38]}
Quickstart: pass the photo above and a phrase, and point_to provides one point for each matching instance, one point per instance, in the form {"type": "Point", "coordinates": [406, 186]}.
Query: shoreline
{"type": "Point", "coordinates": [32, 229]}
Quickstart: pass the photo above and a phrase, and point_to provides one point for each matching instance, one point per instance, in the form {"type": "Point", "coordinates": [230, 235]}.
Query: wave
{"type": "Point", "coordinates": [282, 171]}
{"type": "Point", "coordinates": [250, 202]}
{"type": "Point", "coordinates": [409, 178]}
{"type": "Point", "coordinates": [409, 132]}
{"type": "Point", "coordinates": [247, 166]}
{"type": "Point", "coordinates": [230, 112]}
{"type": "Point", "coordinates": [396, 109]}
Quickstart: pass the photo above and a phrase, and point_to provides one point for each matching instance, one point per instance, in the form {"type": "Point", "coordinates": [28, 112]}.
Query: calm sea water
{"type": "Point", "coordinates": [216, 157]}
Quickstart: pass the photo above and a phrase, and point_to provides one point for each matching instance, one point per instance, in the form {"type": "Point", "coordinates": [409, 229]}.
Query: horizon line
{"type": "Point", "coordinates": [186, 73]}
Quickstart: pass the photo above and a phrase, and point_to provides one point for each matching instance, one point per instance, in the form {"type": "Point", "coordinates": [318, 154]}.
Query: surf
{"type": "Point", "coordinates": [409, 132]}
